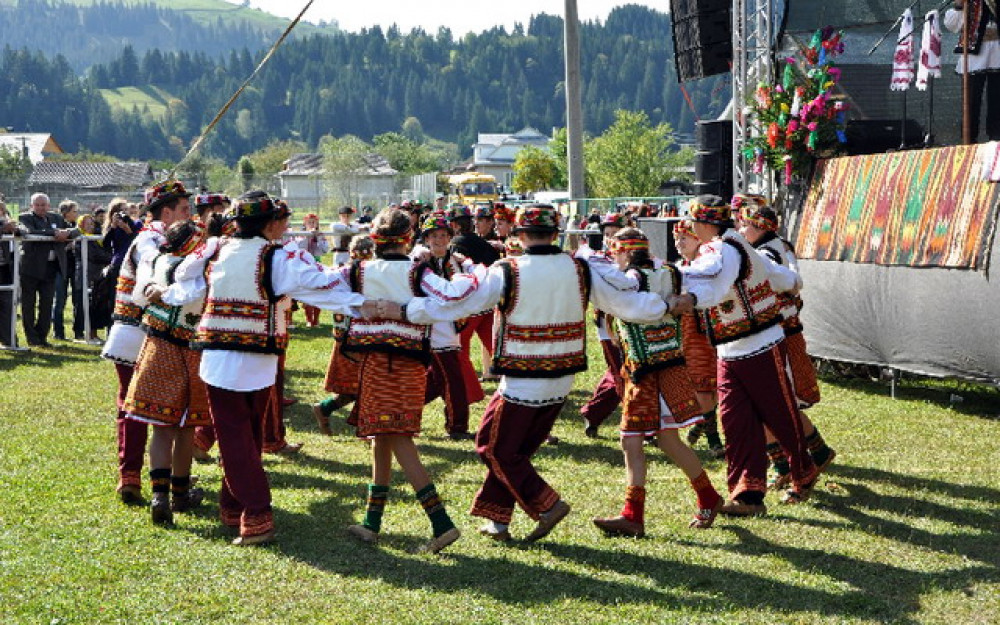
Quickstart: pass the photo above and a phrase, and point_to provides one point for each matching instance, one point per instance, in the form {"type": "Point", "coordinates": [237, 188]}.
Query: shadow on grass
{"type": "Point", "coordinates": [978, 400]}
{"type": "Point", "coordinates": [59, 354]}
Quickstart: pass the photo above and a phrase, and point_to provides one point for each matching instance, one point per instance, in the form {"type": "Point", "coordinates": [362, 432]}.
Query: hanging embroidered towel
{"type": "Point", "coordinates": [930, 50]}
{"type": "Point", "coordinates": [902, 61]}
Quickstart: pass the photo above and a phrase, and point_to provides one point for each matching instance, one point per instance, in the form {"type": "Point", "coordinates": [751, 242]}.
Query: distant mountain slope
{"type": "Point", "coordinates": [88, 32]}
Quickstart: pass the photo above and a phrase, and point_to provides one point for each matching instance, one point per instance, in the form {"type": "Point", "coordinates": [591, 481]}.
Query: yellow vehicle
{"type": "Point", "coordinates": [472, 187]}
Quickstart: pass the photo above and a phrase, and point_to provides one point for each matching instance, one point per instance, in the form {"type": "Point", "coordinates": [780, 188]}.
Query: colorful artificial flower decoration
{"type": "Point", "coordinates": [799, 116]}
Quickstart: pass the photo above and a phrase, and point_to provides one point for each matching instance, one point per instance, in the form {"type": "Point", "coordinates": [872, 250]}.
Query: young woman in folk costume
{"type": "Point", "coordinates": [659, 398]}
{"type": "Point", "coordinates": [342, 371]}
{"type": "Point", "coordinates": [394, 354]}
{"type": "Point", "coordinates": [608, 394]}
{"type": "Point", "coordinates": [450, 374]}
{"type": "Point", "coordinates": [165, 390]}
{"type": "Point", "coordinates": [759, 225]}
{"type": "Point", "coordinates": [166, 202]}
{"type": "Point", "coordinates": [699, 354]}
{"type": "Point", "coordinates": [541, 299]}
{"type": "Point", "coordinates": [736, 288]}
{"type": "Point", "coordinates": [242, 334]}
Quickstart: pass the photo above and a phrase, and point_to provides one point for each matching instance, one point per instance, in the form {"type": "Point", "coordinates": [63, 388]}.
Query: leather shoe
{"type": "Point", "coordinates": [620, 526]}
{"type": "Point", "coordinates": [500, 537]}
{"type": "Point", "coordinates": [290, 449]}
{"type": "Point", "coordinates": [704, 517]}
{"type": "Point", "coordinates": [461, 436]}
{"type": "Point", "coordinates": [738, 508]}
{"type": "Point", "coordinates": [548, 520]}
{"type": "Point", "coordinates": [130, 495]}
{"type": "Point", "coordinates": [322, 421]}
{"type": "Point", "coordinates": [159, 509]}
{"type": "Point", "coordinates": [363, 533]}
{"type": "Point", "coordinates": [191, 499]}
{"type": "Point", "coordinates": [590, 431]}
{"type": "Point", "coordinates": [438, 543]}
{"type": "Point", "coordinates": [258, 539]}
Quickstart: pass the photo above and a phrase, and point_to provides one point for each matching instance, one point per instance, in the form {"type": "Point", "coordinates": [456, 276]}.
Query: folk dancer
{"type": "Point", "coordinates": [166, 391]}
{"type": "Point", "coordinates": [540, 346]}
{"type": "Point", "coordinates": [166, 202]}
{"type": "Point", "coordinates": [342, 371]}
{"type": "Point", "coordinates": [699, 354]}
{"type": "Point", "coordinates": [759, 225]}
{"type": "Point", "coordinates": [242, 333]}
{"type": "Point", "coordinates": [395, 348]}
{"type": "Point", "coordinates": [659, 399]}
{"type": "Point", "coordinates": [737, 289]}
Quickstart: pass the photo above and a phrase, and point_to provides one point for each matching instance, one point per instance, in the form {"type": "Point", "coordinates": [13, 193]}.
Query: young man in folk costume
{"type": "Point", "coordinates": [317, 245]}
{"type": "Point", "coordinates": [450, 374]}
{"type": "Point", "coordinates": [699, 354]}
{"type": "Point", "coordinates": [166, 391]}
{"type": "Point", "coordinates": [166, 202]}
{"type": "Point", "coordinates": [608, 394]}
{"type": "Point", "coordinates": [540, 346]}
{"type": "Point", "coordinates": [759, 226]}
{"type": "Point", "coordinates": [343, 369]}
{"type": "Point", "coordinates": [242, 334]}
{"type": "Point", "coordinates": [737, 289]}
{"type": "Point", "coordinates": [392, 347]}
{"type": "Point", "coordinates": [659, 399]}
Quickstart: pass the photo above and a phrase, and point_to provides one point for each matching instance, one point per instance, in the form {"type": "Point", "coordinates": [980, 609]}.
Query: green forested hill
{"type": "Point", "coordinates": [363, 84]}
{"type": "Point", "coordinates": [94, 31]}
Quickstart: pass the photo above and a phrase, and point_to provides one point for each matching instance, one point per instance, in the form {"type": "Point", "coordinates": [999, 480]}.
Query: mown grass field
{"type": "Point", "coordinates": [154, 99]}
{"type": "Point", "coordinates": [904, 529]}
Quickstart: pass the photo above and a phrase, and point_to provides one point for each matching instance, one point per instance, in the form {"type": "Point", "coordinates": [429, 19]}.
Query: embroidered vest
{"type": "Point", "coordinates": [126, 311]}
{"type": "Point", "coordinates": [751, 305]}
{"type": "Point", "coordinates": [242, 312]}
{"type": "Point", "coordinates": [651, 347]}
{"type": "Point", "coordinates": [791, 305]}
{"type": "Point", "coordinates": [397, 281]}
{"type": "Point", "coordinates": [176, 324]}
{"type": "Point", "coordinates": [541, 331]}
{"type": "Point", "coordinates": [448, 267]}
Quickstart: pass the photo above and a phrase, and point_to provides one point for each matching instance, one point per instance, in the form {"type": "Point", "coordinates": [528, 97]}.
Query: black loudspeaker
{"type": "Point", "coordinates": [875, 136]}
{"type": "Point", "coordinates": [702, 31]}
{"type": "Point", "coordinates": [660, 231]}
{"type": "Point", "coordinates": [713, 160]}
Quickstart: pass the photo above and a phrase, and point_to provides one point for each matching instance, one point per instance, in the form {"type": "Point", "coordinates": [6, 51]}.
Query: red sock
{"type": "Point", "coordinates": [707, 495]}
{"type": "Point", "coordinates": [635, 504]}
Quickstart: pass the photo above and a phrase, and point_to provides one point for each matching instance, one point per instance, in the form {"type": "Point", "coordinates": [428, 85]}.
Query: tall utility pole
{"type": "Point", "coordinates": [574, 107]}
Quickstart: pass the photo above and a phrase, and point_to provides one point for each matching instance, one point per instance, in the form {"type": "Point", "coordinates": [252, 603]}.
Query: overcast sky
{"type": "Point", "coordinates": [461, 16]}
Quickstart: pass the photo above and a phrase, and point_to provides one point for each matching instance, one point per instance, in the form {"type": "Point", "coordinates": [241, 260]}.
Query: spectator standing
{"type": "Point", "coordinates": [85, 278]}
{"type": "Point", "coordinates": [41, 264]}
{"type": "Point", "coordinates": [69, 211]}
{"type": "Point", "coordinates": [7, 276]}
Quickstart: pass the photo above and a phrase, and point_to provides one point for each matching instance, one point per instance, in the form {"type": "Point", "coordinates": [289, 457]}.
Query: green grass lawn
{"type": "Point", "coordinates": [905, 527]}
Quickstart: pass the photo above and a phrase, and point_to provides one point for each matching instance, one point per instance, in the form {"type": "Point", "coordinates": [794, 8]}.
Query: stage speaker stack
{"type": "Point", "coordinates": [703, 44]}
{"type": "Point", "coordinates": [713, 160]}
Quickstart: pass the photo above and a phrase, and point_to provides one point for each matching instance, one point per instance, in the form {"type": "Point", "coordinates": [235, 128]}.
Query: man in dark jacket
{"type": "Point", "coordinates": [41, 262]}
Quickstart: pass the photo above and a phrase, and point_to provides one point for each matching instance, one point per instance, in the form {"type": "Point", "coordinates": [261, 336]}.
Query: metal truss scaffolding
{"type": "Point", "coordinates": [753, 62]}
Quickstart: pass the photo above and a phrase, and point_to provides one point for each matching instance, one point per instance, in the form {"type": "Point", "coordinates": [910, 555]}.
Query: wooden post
{"type": "Point", "coordinates": [574, 107]}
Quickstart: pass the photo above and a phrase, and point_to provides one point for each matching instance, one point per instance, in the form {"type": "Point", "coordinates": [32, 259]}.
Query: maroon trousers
{"type": "Point", "coordinates": [274, 415]}
{"type": "Point", "coordinates": [508, 437]}
{"type": "Point", "coordinates": [608, 394]}
{"type": "Point", "coordinates": [131, 435]}
{"type": "Point", "coordinates": [245, 495]}
{"type": "Point", "coordinates": [481, 326]}
{"type": "Point", "coordinates": [445, 380]}
{"type": "Point", "coordinates": [754, 392]}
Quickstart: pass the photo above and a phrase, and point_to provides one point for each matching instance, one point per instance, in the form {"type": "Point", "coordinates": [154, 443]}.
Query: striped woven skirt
{"type": "Point", "coordinates": [802, 371]}
{"type": "Point", "coordinates": [699, 355]}
{"type": "Point", "coordinates": [166, 389]}
{"type": "Point", "coordinates": [643, 411]}
{"type": "Point", "coordinates": [390, 395]}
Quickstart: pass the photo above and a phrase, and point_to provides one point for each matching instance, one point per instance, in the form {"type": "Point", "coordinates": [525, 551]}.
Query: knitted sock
{"type": "Point", "coordinates": [778, 459]}
{"type": "Point", "coordinates": [377, 495]}
{"type": "Point", "coordinates": [635, 504]}
{"type": "Point", "coordinates": [328, 405]}
{"type": "Point", "coordinates": [818, 448]}
{"type": "Point", "coordinates": [434, 507]}
{"type": "Point", "coordinates": [707, 495]}
{"type": "Point", "coordinates": [160, 479]}
{"type": "Point", "coordinates": [711, 425]}
{"type": "Point", "coordinates": [179, 486]}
